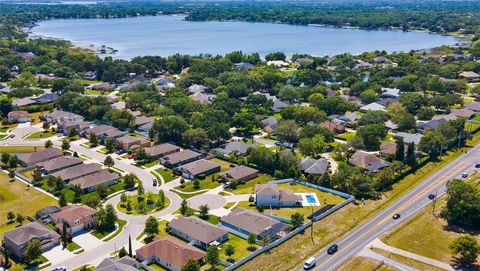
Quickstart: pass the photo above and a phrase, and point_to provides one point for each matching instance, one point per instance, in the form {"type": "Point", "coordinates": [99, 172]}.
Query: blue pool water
{"type": "Point", "coordinates": [310, 199]}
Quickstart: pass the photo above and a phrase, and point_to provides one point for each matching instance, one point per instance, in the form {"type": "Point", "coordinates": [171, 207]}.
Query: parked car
{"type": "Point", "coordinates": [309, 263]}
{"type": "Point", "coordinates": [332, 249]}
{"type": "Point", "coordinates": [132, 156]}
{"type": "Point", "coordinates": [154, 182]}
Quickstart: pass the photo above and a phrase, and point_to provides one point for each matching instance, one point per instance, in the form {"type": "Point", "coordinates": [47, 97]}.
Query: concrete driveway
{"type": "Point", "coordinates": [57, 255]}
{"type": "Point", "coordinates": [87, 241]}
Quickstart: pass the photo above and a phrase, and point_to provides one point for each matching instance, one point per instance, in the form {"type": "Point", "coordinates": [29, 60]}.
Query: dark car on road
{"type": "Point", "coordinates": [396, 216]}
{"type": "Point", "coordinates": [477, 165]}
{"type": "Point", "coordinates": [332, 249]}
{"type": "Point", "coordinates": [431, 196]}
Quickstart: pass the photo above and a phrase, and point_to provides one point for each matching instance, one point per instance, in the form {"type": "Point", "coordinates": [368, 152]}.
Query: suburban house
{"type": "Point", "coordinates": [197, 168]}
{"type": "Point", "coordinates": [469, 75]}
{"type": "Point", "coordinates": [168, 252]}
{"type": "Point", "coordinates": [161, 150]}
{"type": "Point", "coordinates": [388, 148]}
{"type": "Point", "coordinates": [368, 161]}
{"type": "Point", "coordinates": [77, 218]}
{"type": "Point", "coordinates": [21, 102]}
{"type": "Point", "coordinates": [102, 86]}
{"type": "Point", "coordinates": [104, 132]}
{"type": "Point", "coordinates": [58, 163]}
{"type": "Point", "coordinates": [195, 88]}
{"type": "Point", "coordinates": [372, 106]}
{"type": "Point", "coordinates": [47, 98]}
{"type": "Point", "coordinates": [180, 158]}
{"type": "Point", "coordinates": [334, 127]}
{"type": "Point", "coordinates": [44, 214]}
{"type": "Point", "coordinates": [271, 196]}
{"type": "Point", "coordinates": [112, 264]}
{"type": "Point", "coordinates": [197, 231]}
{"type": "Point", "coordinates": [426, 126]}
{"type": "Point", "coordinates": [239, 174]}
{"type": "Point", "coordinates": [247, 221]}
{"type": "Point", "coordinates": [270, 124]}
{"type": "Point", "coordinates": [16, 240]}
{"type": "Point", "coordinates": [30, 159]}
{"type": "Point", "coordinates": [310, 166]}
{"type": "Point", "coordinates": [408, 137]}
{"type": "Point", "coordinates": [131, 143]}
{"type": "Point", "coordinates": [463, 113]}
{"type": "Point", "coordinates": [26, 55]}
{"type": "Point", "coordinates": [202, 98]}
{"type": "Point", "coordinates": [393, 93]}
{"type": "Point", "coordinates": [238, 147]}
{"type": "Point", "coordinates": [62, 116]}
{"type": "Point", "coordinates": [80, 127]}
{"type": "Point", "coordinates": [19, 116]}
{"type": "Point", "coordinates": [89, 183]}
{"type": "Point", "coordinates": [142, 120]}
{"type": "Point", "coordinates": [72, 173]}
{"type": "Point", "coordinates": [243, 66]}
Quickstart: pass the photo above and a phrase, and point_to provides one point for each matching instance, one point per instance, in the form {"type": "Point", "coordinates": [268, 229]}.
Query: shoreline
{"type": "Point", "coordinates": [105, 50]}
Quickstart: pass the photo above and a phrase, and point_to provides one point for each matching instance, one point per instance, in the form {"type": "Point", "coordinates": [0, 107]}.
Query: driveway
{"type": "Point", "coordinates": [57, 255]}
{"type": "Point", "coordinates": [87, 241]}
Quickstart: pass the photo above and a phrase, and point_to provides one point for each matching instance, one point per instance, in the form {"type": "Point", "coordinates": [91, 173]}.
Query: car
{"type": "Point", "coordinates": [60, 268]}
{"type": "Point", "coordinates": [309, 263]}
{"type": "Point", "coordinates": [332, 249]}
{"type": "Point", "coordinates": [477, 165]}
{"type": "Point", "coordinates": [12, 135]}
{"type": "Point", "coordinates": [155, 182]}
{"type": "Point", "coordinates": [431, 196]}
{"type": "Point", "coordinates": [464, 175]}
{"type": "Point", "coordinates": [132, 156]}
{"type": "Point", "coordinates": [396, 216]}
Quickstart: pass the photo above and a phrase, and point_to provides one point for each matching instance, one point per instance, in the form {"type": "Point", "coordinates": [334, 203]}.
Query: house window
{"type": "Point", "coordinates": [76, 222]}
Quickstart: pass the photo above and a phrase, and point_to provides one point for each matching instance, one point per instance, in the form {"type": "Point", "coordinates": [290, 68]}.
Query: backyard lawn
{"type": "Point", "coordinates": [224, 165]}
{"type": "Point", "coordinates": [150, 208]}
{"type": "Point", "coordinates": [323, 197]}
{"type": "Point", "coordinates": [241, 248]}
{"type": "Point", "coordinates": [20, 149]}
{"type": "Point", "coordinates": [249, 187]}
{"type": "Point", "coordinates": [156, 267]}
{"type": "Point", "coordinates": [167, 175]}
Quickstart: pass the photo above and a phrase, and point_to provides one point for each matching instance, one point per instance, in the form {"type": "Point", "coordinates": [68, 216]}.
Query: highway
{"type": "Point", "coordinates": [407, 206]}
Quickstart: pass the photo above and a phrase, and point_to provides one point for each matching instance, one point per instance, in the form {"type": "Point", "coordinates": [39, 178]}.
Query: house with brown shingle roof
{"type": "Point", "coordinates": [131, 143]}
{"type": "Point", "coordinates": [239, 174]}
{"type": "Point", "coordinates": [246, 221]}
{"type": "Point", "coordinates": [180, 158]}
{"type": "Point", "coordinates": [89, 183]}
{"type": "Point", "coordinates": [161, 150]}
{"type": "Point", "coordinates": [168, 252]}
{"type": "Point", "coordinates": [19, 116]}
{"type": "Point", "coordinates": [270, 194]}
{"type": "Point", "coordinates": [202, 233]}
{"type": "Point", "coordinates": [474, 106]}
{"type": "Point", "coordinates": [368, 161]}
{"type": "Point", "coordinates": [197, 168]}
{"type": "Point", "coordinates": [72, 173]}
{"type": "Point", "coordinates": [103, 132]}
{"type": "Point", "coordinates": [76, 217]}
{"type": "Point", "coordinates": [30, 159]}
{"type": "Point", "coordinates": [16, 240]}
{"type": "Point", "coordinates": [59, 163]}
{"type": "Point", "coordinates": [469, 75]}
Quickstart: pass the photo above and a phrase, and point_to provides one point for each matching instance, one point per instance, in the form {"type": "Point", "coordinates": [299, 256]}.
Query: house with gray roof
{"type": "Point", "coordinates": [197, 88]}
{"type": "Point", "coordinates": [161, 150]}
{"type": "Point", "coordinates": [58, 163]}
{"type": "Point", "coordinates": [270, 195]}
{"type": "Point", "coordinates": [16, 240]}
{"type": "Point", "coordinates": [278, 105]}
{"type": "Point", "coordinates": [112, 264]}
{"type": "Point", "coordinates": [180, 158]}
{"type": "Point", "coordinates": [44, 214]}
{"type": "Point", "coordinates": [62, 116]}
{"type": "Point", "coordinates": [203, 98]}
{"type": "Point", "coordinates": [408, 137]}
{"type": "Point", "coordinates": [197, 168]}
{"type": "Point", "coordinates": [72, 173]}
{"type": "Point", "coordinates": [47, 98]}
{"type": "Point", "coordinates": [270, 124]}
{"type": "Point", "coordinates": [243, 66]}
{"type": "Point", "coordinates": [90, 182]}
{"type": "Point", "coordinates": [239, 174]}
{"type": "Point", "coordinates": [310, 166]}
{"type": "Point", "coordinates": [390, 93]}
{"type": "Point", "coordinates": [474, 106]}
{"type": "Point", "coordinates": [430, 125]}
{"type": "Point", "coordinates": [197, 231]}
{"type": "Point", "coordinates": [238, 147]}
{"type": "Point", "coordinates": [30, 159]}
{"type": "Point", "coordinates": [20, 102]}
{"type": "Point", "coordinates": [103, 132]}
{"type": "Point", "coordinates": [246, 221]}
{"type": "Point", "coordinates": [372, 106]}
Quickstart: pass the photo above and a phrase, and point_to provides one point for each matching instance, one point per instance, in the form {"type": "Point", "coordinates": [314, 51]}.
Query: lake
{"type": "Point", "coordinates": [167, 35]}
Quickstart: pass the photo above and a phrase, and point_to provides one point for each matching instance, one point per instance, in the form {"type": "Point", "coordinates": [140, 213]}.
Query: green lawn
{"type": "Point", "coordinates": [224, 165]}
{"type": "Point", "coordinates": [249, 187]}
{"type": "Point", "coordinates": [156, 267]}
{"type": "Point", "coordinates": [134, 200]}
{"type": "Point", "coordinates": [364, 264]}
{"type": "Point", "coordinates": [346, 136]}
{"type": "Point", "coordinates": [13, 197]}
{"type": "Point", "coordinates": [101, 233]}
{"type": "Point", "coordinates": [209, 218]}
{"type": "Point", "coordinates": [72, 246]}
{"type": "Point", "coordinates": [167, 174]}
{"type": "Point", "coordinates": [42, 134]}
{"type": "Point", "coordinates": [241, 248]}
{"type": "Point", "coordinates": [228, 205]}
{"type": "Point", "coordinates": [203, 184]}
{"type": "Point", "coordinates": [20, 149]}
{"type": "Point", "coordinates": [187, 196]}
{"type": "Point", "coordinates": [5, 128]}
{"type": "Point", "coordinates": [151, 164]}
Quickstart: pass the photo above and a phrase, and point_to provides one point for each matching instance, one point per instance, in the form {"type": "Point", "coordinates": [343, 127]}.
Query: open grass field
{"type": "Point", "coordinates": [364, 264]}
{"type": "Point", "coordinates": [249, 187]}
{"type": "Point", "coordinates": [13, 197]}
{"type": "Point", "coordinates": [292, 253]}
{"type": "Point", "coordinates": [410, 262]}
{"type": "Point", "coordinates": [19, 149]}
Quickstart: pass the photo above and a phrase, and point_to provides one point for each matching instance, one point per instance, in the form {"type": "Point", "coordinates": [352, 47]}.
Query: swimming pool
{"type": "Point", "coordinates": [310, 199]}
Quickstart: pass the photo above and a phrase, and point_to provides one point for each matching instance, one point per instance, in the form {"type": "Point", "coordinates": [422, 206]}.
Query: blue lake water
{"type": "Point", "coordinates": [167, 35]}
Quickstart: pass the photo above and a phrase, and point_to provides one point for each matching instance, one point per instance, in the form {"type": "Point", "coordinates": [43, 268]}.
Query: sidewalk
{"type": "Point", "coordinates": [377, 243]}
{"type": "Point", "coordinates": [368, 253]}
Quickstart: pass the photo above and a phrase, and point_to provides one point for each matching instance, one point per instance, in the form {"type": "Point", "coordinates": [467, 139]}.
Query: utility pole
{"type": "Point", "coordinates": [311, 228]}
{"type": "Point", "coordinates": [434, 202]}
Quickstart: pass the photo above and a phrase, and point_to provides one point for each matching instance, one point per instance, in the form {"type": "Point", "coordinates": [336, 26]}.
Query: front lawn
{"type": "Point", "coordinates": [209, 218]}
{"type": "Point", "coordinates": [101, 233]}
{"type": "Point", "coordinates": [241, 248]}
{"type": "Point", "coordinates": [72, 246]}
{"type": "Point", "coordinates": [167, 174]}
{"type": "Point", "coordinates": [207, 183]}
{"type": "Point", "coordinates": [42, 134]}
{"type": "Point", "coordinates": [249, 187]}
{"type": "Point", "coordinates": [138, 204]}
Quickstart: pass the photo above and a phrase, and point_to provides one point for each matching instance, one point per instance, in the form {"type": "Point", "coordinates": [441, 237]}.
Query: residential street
{"type": "Point", "coordinates": [408, 205]}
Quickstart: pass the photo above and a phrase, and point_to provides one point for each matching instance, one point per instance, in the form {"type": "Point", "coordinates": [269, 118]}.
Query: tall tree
{"type": "Point", "coordinates": [130, 253]}
{"type": "Point", "coordinates": [410, 159]}
{"type": "Point", "coordinates": [463, 204]}
{"type": "Point", "coordinates": [191, 265]}
{"type": "Point", "coordinates": [400, 150]}
{"type": "Point", "coordinates": [33, 251]}
{"type": "Point", "coordinates": [212, 256]}
{"type": "Point", "coordinates": [109, 162]}
{"type": "Point", "coordinates": [151, 227]}
{"type": "Point", "coordinates": [466, 249]}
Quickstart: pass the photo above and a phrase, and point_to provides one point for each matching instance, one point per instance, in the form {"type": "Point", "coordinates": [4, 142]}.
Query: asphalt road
{"type": "Point", "coordinates": [407, 206]}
